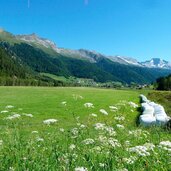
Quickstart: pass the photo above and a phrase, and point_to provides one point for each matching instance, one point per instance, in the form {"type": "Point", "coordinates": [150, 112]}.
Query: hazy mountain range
{"type": "Point", "coordinates": [42, 55]}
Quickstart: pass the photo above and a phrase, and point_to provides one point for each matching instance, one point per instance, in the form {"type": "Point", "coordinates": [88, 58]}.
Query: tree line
{"type": "Point", "coordinates": [164, 83]}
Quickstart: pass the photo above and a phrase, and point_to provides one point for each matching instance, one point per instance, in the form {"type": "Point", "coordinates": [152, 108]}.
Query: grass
{"type": "Point", "coordinates": [74, 141]}
{"type": "Point", "coordinates": [55, 77]}
{"type": "Point", "coordinates": [46, 102]}
{"type": "Point", "coordinates": [163, 98]}
{"type": "Point", "coordinates": [8, 37]}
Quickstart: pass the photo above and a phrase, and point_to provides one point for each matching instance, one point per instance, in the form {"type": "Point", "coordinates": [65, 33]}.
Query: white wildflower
{"type": "Point", "coordinates": [101, 165]}
{"type": "Point", "coordinates": [102, 139]}
{"type": "Point", "coordinates": [99, 126]}
{"type": "Point", "coordinates": [50, 121]}
{"type": "Point", "coordinates": [11, 169]}
{"type": "Point", "coordinates": [140, 150]}
{"type": "Point", "coordinates": [113, 108]}
{"type": "Point", "coordinates": [97, 149]}
{"type": "Point", "coordinates": [89, 105]}
{"type": "Point", "coordinates": [124, 169]}
{"type": "Point", "coordinates": [135, 132]}
{"type": "Point", "coordinates": [146, 132]}
{"type": "Point", "coordinates": [120, 126]}
{"type": "Point", "coordinates": [166, 145]}
{"type": "Point", "coordinates": [72, 147]}
{"type": "Point", "coordinates": [38, 139]}
{"type": "Point", "coordinates": [34, 132]}
{"type": "Point", "coordinates": [149, 146]}
{"type": "Point", "coordinates": [110, 130]}
{"type": "Point", "coordinates": [75, 156]}
{"type": "Point", "coordinates": [9, 107]}
{"type": "Point", "coordinates": [114, 142]}
{"type": "Point", "coordinates": [15, 116]}
{"type": "Point", "coordinates": [130, 160]}
{"type": "Point", "coordinates": [103, 111]}
{"type": "Point", "coordinates": [127, 143]}
{"type": "Point", "coordinates": [78, 124]}
{"type": "Point", "coordinates": [29, 115]}
{"type": "Point", "coordinates": [74, 132]}
{"type": "Point", "coordinates": [61, 130]}
{"type": "Point", "coordinates": [88, 141]}
{"type": "Point", "coordinates": [94, 115]}
{"type": "Point", "coordinates": [82, 126]}
{"type": "Point", "coordinates": [64, 103]}
{"type": "Point", "coordinates": [119, 118]}
{"type": "Point", "coordinates": [4, 111]}
{"type": "Point", "coordinates": [64, 158]}
{"type": "Point", "coordinates": [81, 169]}
{"type": "Point", "coordinates": [138, 133]}
{"type": "Point", "coordinates": [132, 104]}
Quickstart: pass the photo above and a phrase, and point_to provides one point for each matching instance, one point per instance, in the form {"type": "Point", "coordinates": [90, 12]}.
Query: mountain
{"type": "Point", "coordinates": [34, 39]}
{"type": "Point", "coordinates": [157, 63]}
{"type": "Point", "coordinates": [124, 60]}
{"type": "Point", "coordinates": [45, 44]}
{"type": "Point", "coordinates": [40, 55]}
{"type": "Point", "coordinates": [10, 67]}
{"type": "Point", "coordinates": [91, 56]}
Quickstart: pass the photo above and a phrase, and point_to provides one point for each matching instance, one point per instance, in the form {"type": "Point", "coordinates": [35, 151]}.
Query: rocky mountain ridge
{"type": "Point", "coordinates": [93, 56]}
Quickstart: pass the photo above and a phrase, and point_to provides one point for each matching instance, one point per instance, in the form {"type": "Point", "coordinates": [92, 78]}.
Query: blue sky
{"type": "Point", "coordinates": [134, 28]}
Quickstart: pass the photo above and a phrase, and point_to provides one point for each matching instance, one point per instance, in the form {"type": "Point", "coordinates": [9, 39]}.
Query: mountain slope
{"type": "Point", "coordinates": [10, 67]}
{"type": "Point", "coordinates": [40, 55]}
{"type": "Point", "coordinates": [61, 65]}
{"type": "Point", "coordinates": [157, 63]}
{"type": "Point", "coordinates": [130, 73]}
{"type": "Point", "coordinates": [102, 70]}
{"type": "Point", "coordinates": [124, 60]}
{"type": "Point", "coordinates": [91, 56]}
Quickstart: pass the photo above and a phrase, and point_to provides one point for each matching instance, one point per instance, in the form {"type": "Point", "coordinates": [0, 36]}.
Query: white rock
{"type": "Point", "coordinates": [147, 120]}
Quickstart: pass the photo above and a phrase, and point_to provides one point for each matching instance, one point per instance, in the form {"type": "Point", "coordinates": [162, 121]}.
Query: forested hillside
{"type": "Point", "coordinates": [10, 66]}
{"type": "Point", "coordinates": [25, 57]}
{"type": "Point", "coordinates": [164, 83]}
{"type": "Point", "coordinates": [103, 70]}
{"type": "Point", "coordinates": [14, 72]}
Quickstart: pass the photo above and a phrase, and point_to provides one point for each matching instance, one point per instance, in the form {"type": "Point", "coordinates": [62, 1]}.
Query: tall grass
{"type": "Point", "coordinates": [89, 142]}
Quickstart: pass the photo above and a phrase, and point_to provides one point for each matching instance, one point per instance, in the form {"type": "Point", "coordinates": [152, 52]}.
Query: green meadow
{"type": "Point", "coordinates": [89, 129]}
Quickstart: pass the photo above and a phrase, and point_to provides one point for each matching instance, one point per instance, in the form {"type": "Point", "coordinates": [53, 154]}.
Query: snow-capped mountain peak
{"type": "Point", "coordinates": [124, 60]}
{"type": "Point", "coordinates": [157, 63]}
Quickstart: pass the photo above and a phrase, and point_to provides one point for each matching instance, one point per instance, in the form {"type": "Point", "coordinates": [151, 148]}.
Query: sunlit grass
{"type": "Point", "coordinates": [78, 136]}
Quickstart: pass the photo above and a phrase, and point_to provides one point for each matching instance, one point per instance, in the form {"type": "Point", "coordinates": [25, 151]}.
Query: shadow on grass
{"type": "Point", "coordinates": [168, 125]}
{"type": "Point", "coordinates": [137, 120]}
{"type": "Point", "coordinates": [139, 110]}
